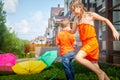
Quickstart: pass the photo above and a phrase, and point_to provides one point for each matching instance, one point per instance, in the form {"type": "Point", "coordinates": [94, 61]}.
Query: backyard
{"type": "Point", "coordinates": [56, 72]}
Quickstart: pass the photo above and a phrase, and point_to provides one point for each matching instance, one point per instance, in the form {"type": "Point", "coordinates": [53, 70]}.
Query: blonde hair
{"type": "Point", "coordinates": [76, 3]}
{"type": "Point", "coordinates": [65, 22]}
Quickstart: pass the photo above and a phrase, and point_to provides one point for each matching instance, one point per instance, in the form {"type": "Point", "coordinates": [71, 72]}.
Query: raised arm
{"type": "Point", "coordinates": [111, 26]}
{"type": "Point", "coordinates": [73, 30]}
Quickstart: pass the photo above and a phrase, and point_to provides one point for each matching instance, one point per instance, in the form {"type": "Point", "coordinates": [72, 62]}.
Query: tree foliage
{"type": "Point", "coordinates": [9, 42]}
{"type": "Point", "coordinates": [3, 28]}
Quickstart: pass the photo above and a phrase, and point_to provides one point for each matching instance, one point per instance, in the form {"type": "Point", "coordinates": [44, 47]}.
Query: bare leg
{"type": "Point", "coordinates": [80, 57]}
{"type": "Point", "coordinates": [105, 75]}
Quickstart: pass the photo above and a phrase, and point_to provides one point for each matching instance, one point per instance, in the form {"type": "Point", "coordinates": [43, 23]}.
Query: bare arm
{"type": "Point", "coordinates": [111, 26]}
{"type": "Point", "coordinates": [73, 30]}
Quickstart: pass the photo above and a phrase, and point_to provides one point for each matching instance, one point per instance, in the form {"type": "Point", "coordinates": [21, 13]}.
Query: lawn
{"type": "Point", "coordinates": [56, 72]}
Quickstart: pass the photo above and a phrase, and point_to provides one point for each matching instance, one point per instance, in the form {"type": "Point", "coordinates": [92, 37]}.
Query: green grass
{"type": "Point", "coordinates": [56, 72]}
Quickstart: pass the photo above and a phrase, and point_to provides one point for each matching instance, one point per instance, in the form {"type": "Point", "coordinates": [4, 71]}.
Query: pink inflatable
{"type": "Point", "coordinates": [7, 61]}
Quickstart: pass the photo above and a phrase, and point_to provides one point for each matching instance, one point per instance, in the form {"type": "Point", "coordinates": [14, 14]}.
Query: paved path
{"type": "Point", "coordinates": [25, 59]}
{"type": "Point", "coordinates": [58, 59]}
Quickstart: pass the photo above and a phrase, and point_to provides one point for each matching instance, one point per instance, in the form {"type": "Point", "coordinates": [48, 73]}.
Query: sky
{"type": "Point", "coordinates": [29, 18]}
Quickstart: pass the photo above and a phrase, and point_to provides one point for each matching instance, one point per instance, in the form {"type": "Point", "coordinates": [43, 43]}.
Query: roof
{"type": "Point", "coordinates": [55, 11]}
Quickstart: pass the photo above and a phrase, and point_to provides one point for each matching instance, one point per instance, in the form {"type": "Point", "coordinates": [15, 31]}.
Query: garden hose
{"type": "Point", "coordinates": [55, 75]}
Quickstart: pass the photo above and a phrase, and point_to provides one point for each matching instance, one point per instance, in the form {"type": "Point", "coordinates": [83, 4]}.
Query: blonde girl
{"type": "Point", "coordinates": [88, 55]}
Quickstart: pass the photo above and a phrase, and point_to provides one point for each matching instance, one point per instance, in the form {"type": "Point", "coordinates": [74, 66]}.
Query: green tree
{"type": "Point", "coordinates": [3, 28]}
{"type": "Point", "coordinates": [9, 42]}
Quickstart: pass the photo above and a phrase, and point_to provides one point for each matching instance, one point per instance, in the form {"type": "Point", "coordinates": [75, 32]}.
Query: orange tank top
{"type": "Point", "coordinates": [86, 31]}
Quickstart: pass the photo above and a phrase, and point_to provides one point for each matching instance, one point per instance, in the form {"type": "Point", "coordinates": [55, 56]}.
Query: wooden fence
{"type": "Point", "coordinates": [31, 47]}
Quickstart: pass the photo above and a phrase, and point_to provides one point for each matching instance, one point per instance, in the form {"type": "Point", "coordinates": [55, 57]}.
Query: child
{"type": "Point", "coordinates": [66, 41]}
{"type": "Point", "coordinates": [88, 55]}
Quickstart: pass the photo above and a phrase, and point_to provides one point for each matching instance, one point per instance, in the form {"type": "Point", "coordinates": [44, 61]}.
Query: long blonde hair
{"type": "Point", "coordinates": [77, 3]}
